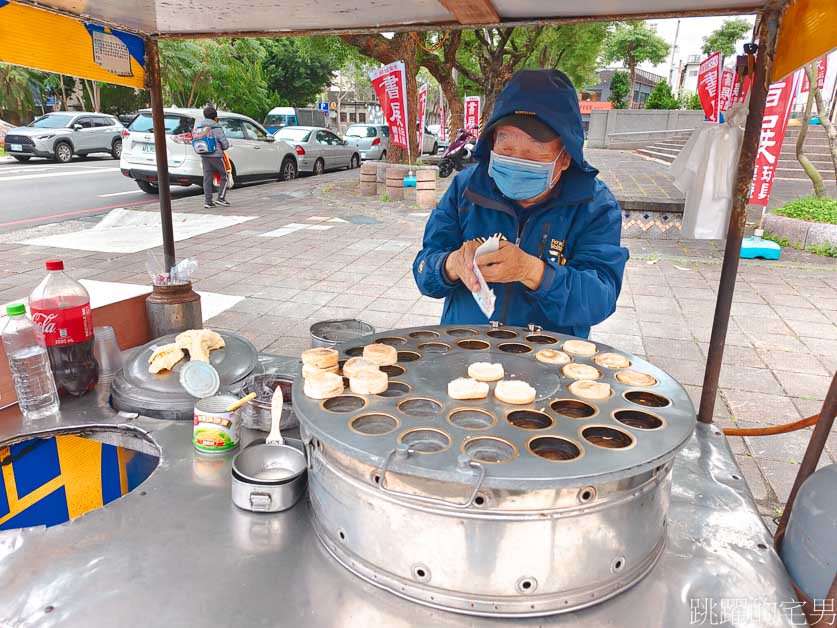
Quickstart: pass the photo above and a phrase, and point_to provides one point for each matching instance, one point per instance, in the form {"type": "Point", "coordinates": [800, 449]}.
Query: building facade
{"type": "Point", "coordinates": [643, 85]}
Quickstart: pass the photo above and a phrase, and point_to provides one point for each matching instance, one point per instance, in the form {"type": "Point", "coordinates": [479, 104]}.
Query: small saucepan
{"type": "Point", "coordinates": [269, 477]}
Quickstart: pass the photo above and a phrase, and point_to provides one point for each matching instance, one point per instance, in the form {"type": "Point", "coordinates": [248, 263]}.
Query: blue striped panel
{"type": "Point", "coordinates": [49, 511]}
{"type": "Point", "coordinates": [35, 464]}
{"type": "Point", "coordinates": [139, 467]}
{"type": "Point", "coordinates": [110, 474]}
{"type": "Point", "coordinates": [4, 500]}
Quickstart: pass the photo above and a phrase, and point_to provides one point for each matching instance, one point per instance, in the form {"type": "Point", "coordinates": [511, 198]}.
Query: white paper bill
{"type": "Point", "coordinates": [485, 297]}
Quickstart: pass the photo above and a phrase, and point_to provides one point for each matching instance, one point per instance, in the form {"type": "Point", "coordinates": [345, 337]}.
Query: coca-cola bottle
{"type": "Point", "coordinates": [60, 306]}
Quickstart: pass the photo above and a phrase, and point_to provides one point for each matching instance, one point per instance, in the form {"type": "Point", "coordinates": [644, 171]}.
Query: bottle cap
{"type": "Point", "coordinates": [200, 379]}
{"type": "Point", "coordinates": [15, 309]}
{"type": "Point", "coordinates": [54, 264]}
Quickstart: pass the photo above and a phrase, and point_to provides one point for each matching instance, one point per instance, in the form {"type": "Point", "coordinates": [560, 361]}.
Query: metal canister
{"type": "Point", "coordinates": [215, 429]}
{"type": "Point", "coordinates": [173, 309]}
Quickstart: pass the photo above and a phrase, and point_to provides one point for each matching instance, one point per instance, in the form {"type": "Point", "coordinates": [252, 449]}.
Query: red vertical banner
{"type": "Point", "coordinates": [472, 113]}
{"type": "Point", "coordinates": [726, 89]}
{"type": "Point", "coordinates": [422, 115]}
{"type": "Point", "coordinates": [390, 83]}
{"type": "Point", "coordinates": [777, 108]}
{"type": "Point", "coordinates": [709, 86]}
{"type": "Point", "coordinates": [822, 68]}
{"type": "Point", "coordinates": [443, 119]}
{"type": "Point", "coordinates": [745, 87]}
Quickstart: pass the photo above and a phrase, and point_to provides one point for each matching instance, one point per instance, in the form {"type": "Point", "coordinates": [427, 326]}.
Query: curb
{"type": "Point", "coordinates": [800, 232]}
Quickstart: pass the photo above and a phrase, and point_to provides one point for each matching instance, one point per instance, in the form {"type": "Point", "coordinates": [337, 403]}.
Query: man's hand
{"type": "Point", "coordinates": [511, 263]}
{"type": "Point", "coordinates": [459, 265]}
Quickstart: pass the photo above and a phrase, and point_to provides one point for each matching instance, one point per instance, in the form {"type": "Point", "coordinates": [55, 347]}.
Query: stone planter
{"type": "Point", "coordinates": [800, 233]}
{"type": "Point", "coordinates": [381, 178]}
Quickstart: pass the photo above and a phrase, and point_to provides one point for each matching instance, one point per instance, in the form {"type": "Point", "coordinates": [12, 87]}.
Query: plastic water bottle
{"type": "Point", "coordinates": [29, 364]}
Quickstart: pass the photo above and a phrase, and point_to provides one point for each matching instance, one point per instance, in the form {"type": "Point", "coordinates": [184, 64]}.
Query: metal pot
{"type": "Point", "coordinates": [329, 333]}
{"type": "Point", "coordinates": [257, 414]}
{"type": "Point", "coordinates": [484, 508]}
{"type": "Point", "coordinates": [269, 477]}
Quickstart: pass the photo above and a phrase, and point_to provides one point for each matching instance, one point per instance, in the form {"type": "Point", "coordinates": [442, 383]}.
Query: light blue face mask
{"type": "Point", "coordinates": [521, 179]}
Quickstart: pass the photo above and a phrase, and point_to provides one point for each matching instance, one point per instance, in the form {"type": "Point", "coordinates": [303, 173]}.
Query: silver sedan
{"type": "Point", "coordinates": [318, 149]}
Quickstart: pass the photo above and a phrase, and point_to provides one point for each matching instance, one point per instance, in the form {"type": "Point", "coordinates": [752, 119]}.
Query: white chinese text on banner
{"type": "Point", "coordinates": [709, 86]}
{"type": "Point", "coordinates": [443, 119]}
{"type": "Point", "coordinates": [726, 89]}
{"type": "Point", "coordinates": [780, 97]}
{"type": "Point", "coordinates": [472, 114]}
{"type": "Point", "coordinates": [422, 114]}
{"type": "Point", "coordinates": [822, 69]}
{"type": "Point", "coordinates": [390, 85]}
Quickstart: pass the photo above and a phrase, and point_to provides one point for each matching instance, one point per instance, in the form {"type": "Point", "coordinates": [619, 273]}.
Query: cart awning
{"type": "Point", "coordinates": [222, 17]}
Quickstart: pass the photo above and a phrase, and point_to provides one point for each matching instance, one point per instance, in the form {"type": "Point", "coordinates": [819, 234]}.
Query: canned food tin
{"type": "Point", "coordinates": [216, 430]}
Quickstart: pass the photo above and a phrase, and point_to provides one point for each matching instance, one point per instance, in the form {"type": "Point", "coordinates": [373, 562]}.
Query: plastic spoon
{"type": "Point", "coordinates": [276, 403]}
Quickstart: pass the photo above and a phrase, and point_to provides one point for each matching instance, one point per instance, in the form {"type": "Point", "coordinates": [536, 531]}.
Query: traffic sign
{"type": "Point", "coordinates": [322, 106]}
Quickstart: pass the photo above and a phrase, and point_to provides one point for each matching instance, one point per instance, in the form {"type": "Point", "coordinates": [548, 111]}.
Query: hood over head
{"type": "Point", "coordinates": [550, 97]}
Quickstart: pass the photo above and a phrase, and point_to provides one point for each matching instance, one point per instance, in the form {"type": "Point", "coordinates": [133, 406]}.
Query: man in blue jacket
{"type": "Point", "coordinates": [560, 262]}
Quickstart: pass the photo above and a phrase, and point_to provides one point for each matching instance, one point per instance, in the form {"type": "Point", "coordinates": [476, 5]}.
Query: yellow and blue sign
{"type": "Point", "coordinates": [47, 481]}
{"type": "Point", "coordinates": [35, 38]}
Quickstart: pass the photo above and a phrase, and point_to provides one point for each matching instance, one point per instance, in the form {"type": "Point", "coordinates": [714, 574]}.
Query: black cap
{"type": "Point", "coordinates": [528, 123]}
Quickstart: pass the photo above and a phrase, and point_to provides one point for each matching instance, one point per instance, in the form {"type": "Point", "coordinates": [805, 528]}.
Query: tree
{"type": "Point", "coordinates": [725, 38]}
{"type": "Point", "coordinates": [692, 101]}
{"type": "Point", "coordinates": [620, 85]}
{"type": "Point", "coordinates": [490, 56]}
{"type": "Point", "coordinates": [298, 69]}
{"type": "Point", "coordinates": [225, 72]}
{"type": "Point", "coordinates": [807, 166]}
{"type": "Point", "coordinates": [822, 112]}
{"type": "Point", "coordinates": [633, 43]}
{"type": "Point", "coordinates": [16, 90]}
{"type": "Point", "coordinates": [572, 48]}
{"type": "Point", "coordinates": [662, 98]}
{"type": "Point", "coordinates": [400, 47]}
{"type": "Point", "coordinates": [438, 52]}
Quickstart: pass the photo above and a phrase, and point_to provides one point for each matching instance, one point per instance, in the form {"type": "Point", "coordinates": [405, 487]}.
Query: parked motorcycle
{"type": "Point", "coordinates": [459, 154]}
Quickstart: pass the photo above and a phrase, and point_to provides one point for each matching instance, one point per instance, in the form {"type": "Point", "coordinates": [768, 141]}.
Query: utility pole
{"type": "Point", "coordinates": [673, 51]}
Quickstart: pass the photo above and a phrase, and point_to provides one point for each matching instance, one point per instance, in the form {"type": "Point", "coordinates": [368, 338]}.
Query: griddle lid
{"type": "Point", "coordinates": [161, 395]}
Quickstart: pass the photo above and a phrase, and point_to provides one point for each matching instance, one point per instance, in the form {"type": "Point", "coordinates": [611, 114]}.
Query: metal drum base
{"type": "Point", "coordinates": [532, 606]}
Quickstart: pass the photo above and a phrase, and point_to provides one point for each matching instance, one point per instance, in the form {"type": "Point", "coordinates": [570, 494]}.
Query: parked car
{"type": "Point", "coordinates": [436, 129]}
{"type": "Point", "coordinates": [429, 143]}
{"type": "Point", "coordinates": [62, 134]}
{"type": "Point", "coordinates": [280, 117]}
{"type": "Point", "coordinates": [371, 140]}
{"type": "Point", "coordinates": [255, 155]}
{"type": "Point", "coordinates": [318, 149]}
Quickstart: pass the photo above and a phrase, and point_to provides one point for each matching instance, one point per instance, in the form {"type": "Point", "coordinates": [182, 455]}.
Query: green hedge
{"type": "Point", "coordinates": [812, 209]}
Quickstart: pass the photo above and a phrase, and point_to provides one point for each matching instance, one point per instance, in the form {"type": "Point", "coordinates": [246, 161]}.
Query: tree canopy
{"type": "Point", "coordinates": [662, 98]}
{"type": "Point", "coordinates": [632, 43]}
{"type": "Point", "coordinates": [620, 84]}
{"type": "Point", "coordinates": [724, 38]}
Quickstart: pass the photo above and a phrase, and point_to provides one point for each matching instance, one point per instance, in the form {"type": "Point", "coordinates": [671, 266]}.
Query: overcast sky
{"type": "Point", "coordinates": [690, 39]}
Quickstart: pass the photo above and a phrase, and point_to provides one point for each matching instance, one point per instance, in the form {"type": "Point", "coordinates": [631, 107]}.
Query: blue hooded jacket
{"type": "Point", "coordinates": [576, 231]}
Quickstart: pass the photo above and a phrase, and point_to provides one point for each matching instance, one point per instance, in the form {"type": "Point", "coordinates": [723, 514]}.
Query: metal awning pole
{"type": "Point", "coordinates": [768, 35]}
{"type": "Point", "coordinates": [155, 86]}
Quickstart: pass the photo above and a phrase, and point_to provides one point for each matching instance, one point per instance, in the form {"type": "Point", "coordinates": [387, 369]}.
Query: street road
{"type": "Point", "coordinates": [41, 191]}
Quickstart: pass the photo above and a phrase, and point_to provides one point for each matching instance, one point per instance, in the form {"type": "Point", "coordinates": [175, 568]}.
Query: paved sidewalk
{"type": "Point", "coordinates": [337, 254]}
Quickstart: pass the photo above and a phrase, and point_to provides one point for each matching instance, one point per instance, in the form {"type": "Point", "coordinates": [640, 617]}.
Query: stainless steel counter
{"type": "Point", "coordinates": [176, 552]}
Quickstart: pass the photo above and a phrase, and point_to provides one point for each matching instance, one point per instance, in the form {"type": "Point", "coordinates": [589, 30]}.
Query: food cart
{"type": "Point", "coordinates": [152, 537]}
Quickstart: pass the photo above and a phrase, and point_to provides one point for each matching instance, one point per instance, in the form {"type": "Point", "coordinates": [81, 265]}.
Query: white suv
{"type": "Point", "coordinates": [254, 153]}
{"type": "Point", "coordinates": [62, 134]}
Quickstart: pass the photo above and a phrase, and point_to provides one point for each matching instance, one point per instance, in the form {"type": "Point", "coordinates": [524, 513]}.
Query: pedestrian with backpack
{"type": "Point", "coordinates": [210, 142]}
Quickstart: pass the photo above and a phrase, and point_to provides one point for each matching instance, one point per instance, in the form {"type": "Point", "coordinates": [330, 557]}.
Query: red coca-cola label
{"type": "Point", "coordinates": [64, 327]}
